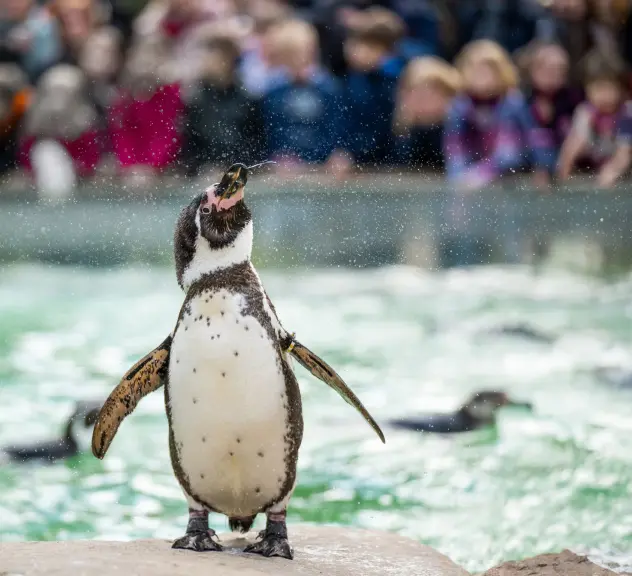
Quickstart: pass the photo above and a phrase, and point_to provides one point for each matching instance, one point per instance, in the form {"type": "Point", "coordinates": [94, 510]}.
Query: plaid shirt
{"type": "Point", "coordinates": [484, 141]}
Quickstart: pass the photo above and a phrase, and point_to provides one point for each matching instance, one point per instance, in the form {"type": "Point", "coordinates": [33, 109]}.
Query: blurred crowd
{"type": "Point", "coordinates": [139, 90]}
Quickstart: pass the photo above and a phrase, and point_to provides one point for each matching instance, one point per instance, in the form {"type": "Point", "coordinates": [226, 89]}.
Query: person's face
{"type": "Point", "coordinates": [427, 103]}
{"type": "Point", "coordinates": [15, 10]}
{"type": "Point", "coordinates": [481, 79]}
{"type": "Point", "coordinates": [604, 95]}
{"type": "Point", "coordinates": [573, 10]}
{"type": "Point", "coordinates": [362, 56]}
{"type": "Point", "coordinates": [549, 70]}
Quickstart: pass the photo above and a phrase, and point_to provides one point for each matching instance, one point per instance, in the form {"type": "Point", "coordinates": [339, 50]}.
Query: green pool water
{"type": "Point", "coordinates": [407, 342]}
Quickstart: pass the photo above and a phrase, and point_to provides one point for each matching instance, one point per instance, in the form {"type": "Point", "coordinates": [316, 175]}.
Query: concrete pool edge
{"type": "Point", "coordinates": [330, 551]}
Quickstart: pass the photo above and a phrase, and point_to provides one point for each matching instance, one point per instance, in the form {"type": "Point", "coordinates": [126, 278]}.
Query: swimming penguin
{"type": "Point", "coordinates": [233, 403]}
{"type": "Point", "coordinates": [75, 440]}
{"type": "Point", "coordinates": [521, 330]}
{"type": "Point", "coordinates": [479, 411]}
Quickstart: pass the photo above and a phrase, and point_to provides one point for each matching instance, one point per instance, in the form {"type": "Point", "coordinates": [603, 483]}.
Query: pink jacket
{"type": "Point", "coordinates": [147, 132]}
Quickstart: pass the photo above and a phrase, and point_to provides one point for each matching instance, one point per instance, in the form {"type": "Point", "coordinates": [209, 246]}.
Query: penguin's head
{"type": "Point", "coordinates": [484, 405]}
{"type": "Point", "coordinates": [80, 424]}
{"type": "Point", "coordinates": [215, 230]}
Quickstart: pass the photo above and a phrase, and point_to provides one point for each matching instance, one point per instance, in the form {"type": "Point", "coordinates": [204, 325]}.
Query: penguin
{"type": "Point", "coordinates": [75, 439]}
{"type": "Point", "coordinates": [521, 330]}
{"type": "Point", "coordinates": [478, 412]}
{"type": "Point", "coordinates": [232, 400]}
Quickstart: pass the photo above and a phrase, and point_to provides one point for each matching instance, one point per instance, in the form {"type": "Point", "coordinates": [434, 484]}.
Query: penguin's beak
{"type": "Point", "coordinates": [521, 405]}
{"type": "Point", "coordinates": [233, 181]}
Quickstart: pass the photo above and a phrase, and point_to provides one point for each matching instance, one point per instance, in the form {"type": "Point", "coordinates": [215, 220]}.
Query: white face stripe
{"type": "Point", "coordinates": [208, 260]}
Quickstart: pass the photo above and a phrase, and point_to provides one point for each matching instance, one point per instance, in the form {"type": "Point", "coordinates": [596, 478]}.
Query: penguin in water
{"type": "Point", "coordinates": [232, 400]}
{"type": "Point", "coordinates": [521, 330]}
{"type": "Point", "coordinates": [478, 412]}
{"type": "Point", "coordinates": [75, 439]}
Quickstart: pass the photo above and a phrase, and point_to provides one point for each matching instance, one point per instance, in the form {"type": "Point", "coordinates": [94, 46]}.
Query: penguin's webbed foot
{"type": "Point", "coordinates": [273, 542]}
{"type": "Point", "coordinates": [198, 541]}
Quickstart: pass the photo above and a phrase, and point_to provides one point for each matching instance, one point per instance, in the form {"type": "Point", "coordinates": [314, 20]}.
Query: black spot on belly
{"type": "Point", "coordinates": [212, 337]}
{"type": "Point", "coordinates": [194, 400]}
{"type": "Point", "coordinates": [202, 476]}
{"type": "Point", "coordinates": [236, 320]}
{"type": "Point", "coordinates": [257, 489]}
{"type": "Point", "coordinates": [186, 327]}
{"type": "Point", "coordinates": [246, 328]}
{"type": "Point", "coordinates": [222, 312]}
{"type": "Point", "coordinates": [238, 440]}
{"type": "Point", "coordinates": [231, 453]}
{"type": "Point", "coordinates": [260, 454]}
{"type": "Point", "coordinates": [236, 353]}
{"type": "Point", "coordinates": [203, 438]}
{"type": "Point", "coordinates": [224, 297]}
{"type": "Point", "coordinates": [223, 374]}
{"type": "Point", "coordinates": [194, 370]}
{"type": "Point", "coordinates": [201, 316]}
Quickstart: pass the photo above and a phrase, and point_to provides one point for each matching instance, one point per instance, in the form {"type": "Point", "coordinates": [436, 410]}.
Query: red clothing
{"type": "Point", "coordinates": [85, 151]}
{"type": "Point", "coordinates": [147, 132]}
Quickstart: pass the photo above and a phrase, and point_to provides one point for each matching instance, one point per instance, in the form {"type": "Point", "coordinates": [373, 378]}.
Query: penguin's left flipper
{"type": "Point", "coordinates": [141, 379]}
{"type": "Point", "coordinates": [328, 375]}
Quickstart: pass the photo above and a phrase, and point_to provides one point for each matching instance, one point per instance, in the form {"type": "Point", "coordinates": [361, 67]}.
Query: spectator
{"type": "Point", "coordinates": [261, 60]}
{"type": "Point", "coordinates": [302, 112]}
{"type": "Point", "coordinates": [145, 118]}
{"type": "Point", "coordinates": [101, 60]}
{"type": "Point", "coordinates": [78, 20]}
{"type": "Point", "coordinates": [551, 100]}
{"type": "Point", "coordinates": [425, 92]}
{"type": "Point", "coordinates": [15, 96]}
{"type": "Point", "coordinates": [369, 95]}
{"type": "Point", "coordinates": [601, 134]}
{"type": "Point", "coordinates": [223, 123]}
{"type": "Point", "coordinates": [29, 36]}
{"type": "Point", "coordinates": [62, 124]}
{"type": "Point", "coordinates": [182, 25]}
{"type": "Point", "coordinates": [490, 132]}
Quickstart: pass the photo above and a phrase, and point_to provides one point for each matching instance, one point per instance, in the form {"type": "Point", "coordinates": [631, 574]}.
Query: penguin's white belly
{"type": "Point", "coordinates": [228, 406]}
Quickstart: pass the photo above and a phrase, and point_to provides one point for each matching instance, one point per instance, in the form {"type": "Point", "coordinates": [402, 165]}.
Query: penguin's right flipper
{"type": "Point", "coordinates": [141, 379]}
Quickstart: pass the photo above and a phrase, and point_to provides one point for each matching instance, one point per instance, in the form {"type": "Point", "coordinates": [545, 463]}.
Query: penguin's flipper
{"type": "Point", "coordinates": [141, 379]}
{"type": "Point", "coordinates": [328, 375]}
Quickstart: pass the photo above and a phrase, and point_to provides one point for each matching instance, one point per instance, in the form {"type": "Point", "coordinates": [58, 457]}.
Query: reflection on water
{"type": "Point", "coordinates": [407, 342]}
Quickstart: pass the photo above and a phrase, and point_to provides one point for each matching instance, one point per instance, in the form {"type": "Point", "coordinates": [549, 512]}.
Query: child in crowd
{"type": "Point", "coordinates": [101, 59]}
{"type": "Point", "coordinates": [490, 131]}
{"type": "Point", "coordinates": [369, 94]}
{"type": "Point", "coordinates": [62, 136]}
{"type": "Point", "coordinates": [551, 99]}
{"type": "Point", "coordinates": [29, 36]}
{"type": "Point", "coordinates": [15, 96]}
{"type": "Point", "coordinates": [601, 133]}
{"type": "Point", "coordinates": [425, 93]}
{"type": "Point", "coordinates": [260, 62]}
{"type": "Point", "coordinates": [145, 118]}
{"type": "Point", "coordinates": [302, 111]}
{"type": "Point", "coordinates": [223, 122]}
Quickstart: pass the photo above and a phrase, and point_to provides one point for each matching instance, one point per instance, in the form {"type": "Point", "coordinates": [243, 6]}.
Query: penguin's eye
{"type": "Point", "coordinates": [206, 210]}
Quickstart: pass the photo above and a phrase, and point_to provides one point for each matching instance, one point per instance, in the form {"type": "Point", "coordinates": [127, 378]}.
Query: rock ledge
{"type": "Point", "coordinates": [319, 551]}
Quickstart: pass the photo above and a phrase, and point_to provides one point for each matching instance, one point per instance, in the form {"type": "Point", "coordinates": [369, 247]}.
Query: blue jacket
{"type": "Point", "coordinates": [303, 120]}
{"type": "Point", "coordinates": [369, 105]}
